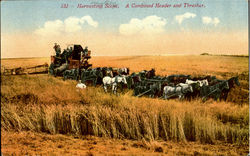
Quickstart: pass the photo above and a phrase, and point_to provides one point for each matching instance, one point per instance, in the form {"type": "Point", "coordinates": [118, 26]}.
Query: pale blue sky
{"type": "Point", "coordinates": [29, 15]}
{"type": "Point", "coordinates": [221, 27]}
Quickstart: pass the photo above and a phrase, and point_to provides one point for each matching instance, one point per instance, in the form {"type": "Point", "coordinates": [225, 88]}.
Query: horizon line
{"type": "Point", "coordinates": [239, 55]}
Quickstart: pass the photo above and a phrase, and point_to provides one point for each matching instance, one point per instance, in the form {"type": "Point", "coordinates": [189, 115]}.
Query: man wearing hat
{"type": "Point", "coordinates": [57, 49]}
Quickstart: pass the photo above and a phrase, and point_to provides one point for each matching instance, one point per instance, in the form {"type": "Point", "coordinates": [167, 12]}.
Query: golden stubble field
{"type": "Point", "coordinates": [41, 114]}
{"type": "Point", "coordinates": [164, 65]}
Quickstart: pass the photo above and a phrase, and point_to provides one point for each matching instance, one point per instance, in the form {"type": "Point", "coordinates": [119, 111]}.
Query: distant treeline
{"type": "Point", "coordinates": [224, 55]}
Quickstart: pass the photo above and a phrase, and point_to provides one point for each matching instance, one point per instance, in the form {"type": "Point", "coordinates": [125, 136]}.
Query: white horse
{"type": "Point", "coordinates": [124, 71]}
{"type": "Point", "coordinates": [108, 81]}
{"type": "Point", "coordinates": [179, 90]}
{"type": "Point", "coordinates": [201, 82]}
{"type": "Point", "coordinates": [185, 85]}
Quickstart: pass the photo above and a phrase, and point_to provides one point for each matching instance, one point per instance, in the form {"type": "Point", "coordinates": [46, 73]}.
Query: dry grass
{"type": "Point", "coordinates": [46, 104]}
{"type": "Point", "coordinates": [221, 66]}
{"type": "Point", "coordinates": [42, 103]}
{"type": "Point", "coordinates": [23, 62]}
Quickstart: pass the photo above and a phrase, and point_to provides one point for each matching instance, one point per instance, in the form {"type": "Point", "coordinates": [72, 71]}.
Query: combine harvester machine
{"type": "Point", "coordinates": [72, 58]}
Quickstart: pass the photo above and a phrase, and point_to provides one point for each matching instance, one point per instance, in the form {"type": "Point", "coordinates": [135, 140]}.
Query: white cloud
{"type": "Point", "coordinates": [148, 25]}
{"type": "Point", "coordinates": [216, 21]}
{"type": "Point", "coordinates": [208, 20]}
{"type": "Point", "coordinates": [69, 25]}
{"type": "Point", "coordinates": [51, 27]}
{"type": "Point", "coordinates": [72, 24]}
{"type": "Point", "coordinates": [180, 18]}
{"type": "Point", "coordinates": [89, 20]}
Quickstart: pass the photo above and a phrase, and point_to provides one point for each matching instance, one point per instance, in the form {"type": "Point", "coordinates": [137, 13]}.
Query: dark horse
{"type": "Point", "coordinates": [214, 91]}
{"type": "Point", "coordinates": [176, 79]}
{"type": "Point", "coordinates": [94, 75]}
{"type": "Point", "coordinates": [107, 71]}
{"type": "Point", "coordinates": [71, 74]}
{"type": "Point", "coordinates": [231, 82]}
{"type": "Point", "coordinates": [149, 74]}
{"type": "Point", "coordinates": [133, 80]}
{"type": "Point", "coordinates": [196, 92]}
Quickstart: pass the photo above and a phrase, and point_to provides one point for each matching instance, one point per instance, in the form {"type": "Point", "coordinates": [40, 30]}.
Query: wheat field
{"type": "Point", "coordinates": [45, 105]}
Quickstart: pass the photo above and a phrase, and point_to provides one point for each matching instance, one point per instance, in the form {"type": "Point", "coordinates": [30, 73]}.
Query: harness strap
{"type": "Point", "coordinates": [181, 89]}
{"type": "Point", "coordinates": [116, 79]}
{"type": "Point", "coordinates": [175, 89]}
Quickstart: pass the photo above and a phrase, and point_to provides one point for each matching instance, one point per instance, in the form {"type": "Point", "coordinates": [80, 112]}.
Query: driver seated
{"type": "Point", "coordinates": [85, 51]}
{"type": "Point", "coordinates": [57, 49]}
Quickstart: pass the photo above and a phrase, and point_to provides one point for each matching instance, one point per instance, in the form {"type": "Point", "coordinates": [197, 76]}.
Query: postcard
{"type": "Point", "coordinates": [125, 77]}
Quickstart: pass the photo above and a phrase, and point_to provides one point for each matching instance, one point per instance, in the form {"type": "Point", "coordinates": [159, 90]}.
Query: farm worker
{"type": "Point", "coordinates": [65, 55]}
{"type": "Point", "coordinates": [85, 51]}
{"type": "Point", "coordinates": [81, 85]}
{"type": "Point", "coordinates": [70, 50]}
{"type": "Point", "coordinates": [67, 49]}
{"type": "Point", "coordinates": [57, 49]}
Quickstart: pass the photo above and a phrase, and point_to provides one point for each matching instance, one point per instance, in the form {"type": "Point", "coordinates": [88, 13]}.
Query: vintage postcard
{"type": "Point", "coordinates": [124, 77]}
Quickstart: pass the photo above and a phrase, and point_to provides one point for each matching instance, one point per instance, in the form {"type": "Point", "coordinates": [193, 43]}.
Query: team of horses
{"type": "Point", "coordinates": [147, 83]}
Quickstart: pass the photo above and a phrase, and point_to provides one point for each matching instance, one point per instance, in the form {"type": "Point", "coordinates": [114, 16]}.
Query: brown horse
{"type": "Point", "coordinates": [150, 74]}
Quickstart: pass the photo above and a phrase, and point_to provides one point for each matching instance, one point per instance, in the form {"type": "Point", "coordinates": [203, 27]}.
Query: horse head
{"type": "Point", "coordinates": [124, 79]}
{"type": "Point", "coordinates": [232, 81]}
{"type": "Point", "coordinates": [200, 83]}
{"type": "Point", "coordinates": [237, 81]}
{"type": "Point", "coordinates": [127, 71]}
{"type": "Point", "coordinates": [191, 88]}
{"type": "Point", "coordinates": [152, 72]}
{"type": "Point", "coordinates": [205, 82]}
{"type": "Point", "coordinates": [225, 85]}
{"type": "Point", "coordinates": [109, 73]}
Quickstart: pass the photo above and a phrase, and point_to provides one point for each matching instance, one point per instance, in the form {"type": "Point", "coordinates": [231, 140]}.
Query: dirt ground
{"type": "Point", "coordinates": [31, 143]}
